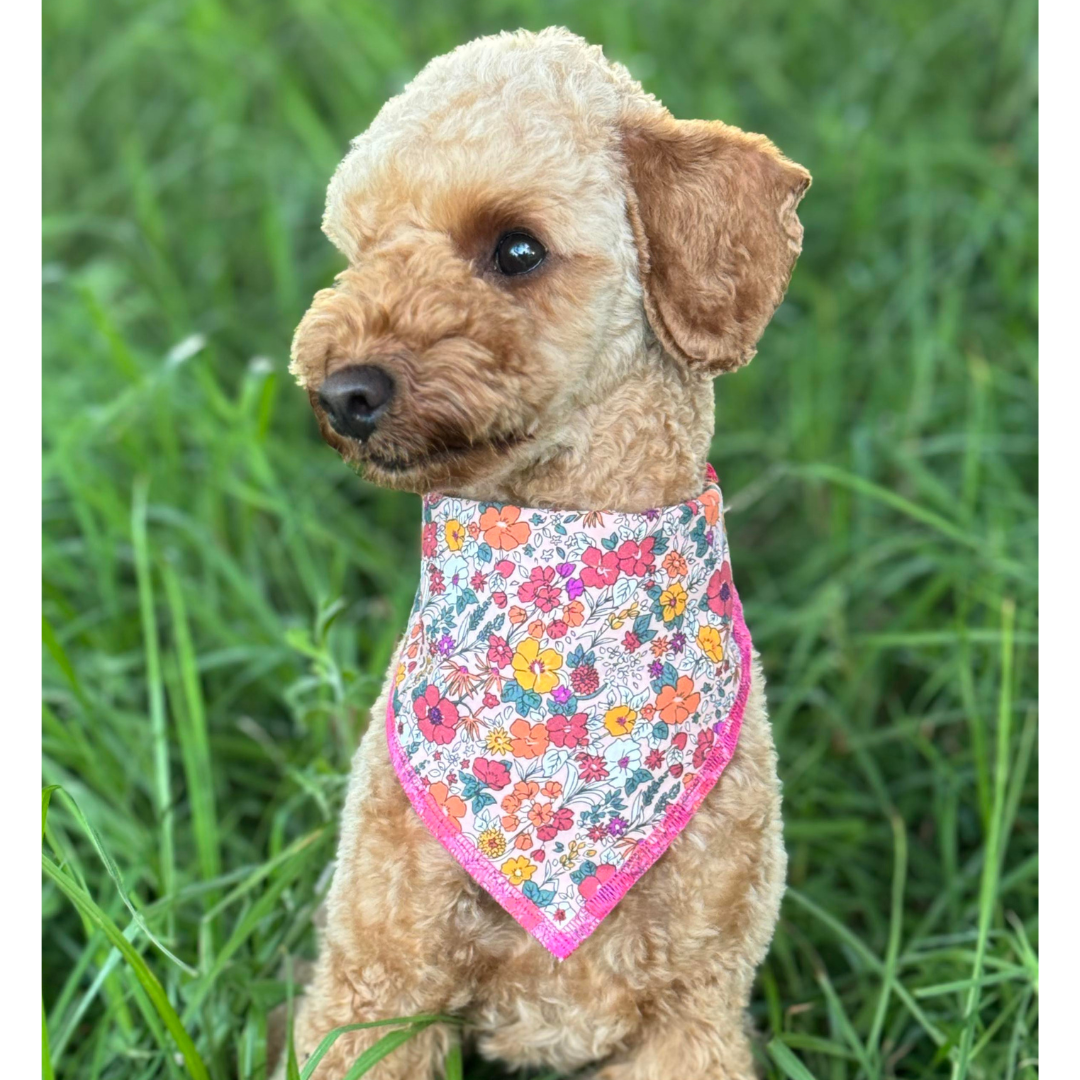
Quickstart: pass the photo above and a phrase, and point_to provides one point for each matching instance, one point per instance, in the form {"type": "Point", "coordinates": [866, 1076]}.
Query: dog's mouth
{"type": "Point", "coordinates": [444, 454]}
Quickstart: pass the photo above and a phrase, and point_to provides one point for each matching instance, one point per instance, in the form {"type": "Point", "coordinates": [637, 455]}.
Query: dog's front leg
{"type": "Point", "coordinates": [696, 1035]}
{"type": "Point", "coordinates": [392, 912]}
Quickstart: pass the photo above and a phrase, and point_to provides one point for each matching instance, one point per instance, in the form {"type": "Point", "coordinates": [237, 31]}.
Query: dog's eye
{"type": "Point", "coordinates": [518, 253]}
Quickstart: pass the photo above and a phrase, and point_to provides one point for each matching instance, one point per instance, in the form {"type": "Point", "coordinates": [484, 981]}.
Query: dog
{"type": "Point", "coordinates": [545, 272]}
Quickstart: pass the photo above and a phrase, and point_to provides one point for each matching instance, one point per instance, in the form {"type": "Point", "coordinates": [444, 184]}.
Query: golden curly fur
{"type": "Point", "coordinates": [584, 384]}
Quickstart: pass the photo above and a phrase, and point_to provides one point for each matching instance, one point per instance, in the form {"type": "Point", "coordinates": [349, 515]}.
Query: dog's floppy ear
{"type": "Point", "coordinates": [713, 212]}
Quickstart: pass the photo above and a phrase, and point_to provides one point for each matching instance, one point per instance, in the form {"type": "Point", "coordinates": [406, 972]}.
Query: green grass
{"type": "Point", "coordinates": [222, 595]}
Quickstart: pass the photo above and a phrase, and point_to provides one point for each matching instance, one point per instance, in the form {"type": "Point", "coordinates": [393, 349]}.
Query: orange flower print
{"type": "Point", "coordinates": [529, 740]}
{"type": "Point", "coordinates": [710, 503]}
{"type": "Point", "coordinates": [517, 615]}
{"type": "Point", "coordinates": [676, 703]}
{"type": "Point", "coordinates": [501, 527]}
{"type": "Point", "coordinates": [450, 806]}
{"type": "Point", "coordinates": [573, 613]}
{"type": "Point", "coordinates": [541, 814]}
{"type": "Point", "coordinates": [523, 841]}
{"type": "Point", "coordinates": [525, 789]}
{"type": "Point", "coordinates": [674, 564]}
{"type": "Point", "coordinates": [536, 629]}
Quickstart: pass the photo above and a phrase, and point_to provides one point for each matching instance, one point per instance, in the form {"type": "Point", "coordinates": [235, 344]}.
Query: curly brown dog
{"type": "Point", "coordinates": [546, 270]}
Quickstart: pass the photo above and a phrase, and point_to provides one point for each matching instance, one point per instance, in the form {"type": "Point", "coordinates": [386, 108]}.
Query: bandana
{"type": "Point", "coordinates": [570, 687]}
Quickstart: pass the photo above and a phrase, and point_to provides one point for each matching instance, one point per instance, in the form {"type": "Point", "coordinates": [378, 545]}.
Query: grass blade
{"type": "Point", "coordinates": [386, 1045]}
{"type": "Point", "coordinates": [154, 684]}
{"type": "Point", "coordinates": [147, 979]}
{"type": "Point", "coordinates": [787, 1062]}
{"type": "Point", "coordinates": [332, 1037]}
{"type": "Point", "coordinates": [988, 890]}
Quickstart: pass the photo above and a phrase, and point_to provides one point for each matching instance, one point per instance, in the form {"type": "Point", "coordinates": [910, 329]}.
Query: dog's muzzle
{"type": "Point", "coordinates": [355, 398]}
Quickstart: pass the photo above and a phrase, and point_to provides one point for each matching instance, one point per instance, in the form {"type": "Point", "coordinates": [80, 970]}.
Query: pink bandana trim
{"type": "Point", "coordinates": [556, 730]}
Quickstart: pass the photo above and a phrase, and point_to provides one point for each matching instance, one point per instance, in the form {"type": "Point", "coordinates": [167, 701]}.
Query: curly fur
{"type": "Point", "coordinates": [586, 384]}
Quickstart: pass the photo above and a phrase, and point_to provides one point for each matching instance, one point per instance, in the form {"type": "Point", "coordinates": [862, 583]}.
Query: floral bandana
{"type": "Point", "coordinates": [570, 687]}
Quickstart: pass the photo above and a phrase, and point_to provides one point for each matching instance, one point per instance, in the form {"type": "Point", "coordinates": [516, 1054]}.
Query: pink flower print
{"type": "Point", "coordinates": [719, 594]}
{"type": "Point", "coordinates": [559, 822]}
{"type": "Point", "coordinates": [636, 559]}
{"type": "Point", "coordinates": [539, 589]}
{"type": "Point", "coordinates": [601, 568]}
{"type": "Point", "coordinates": [499, 653]}
{"type": "Point", "coordinates": [590, 886]}
{"type": "Point", "coordinates": [568, 731]}
{"type": "Point", "coordinates": [493, 773]}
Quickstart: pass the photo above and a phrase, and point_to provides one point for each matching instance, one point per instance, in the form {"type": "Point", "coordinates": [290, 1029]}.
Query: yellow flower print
{"type": "Point", "coordinates": [498, 741]}
{"type": "Point", "coordinates": [455, 534]}
{"type": "Point", "coordinates": [518, 870]}
{"type": "Point", "coordinates": [620, 720]}
{"type": "Point", "coordinates": [399, 674]}
{"type": "Point", "coordinates": [673, 601]}
{"type": "Point", "coordinates": [491, 843]}
{"type": "Point", "coordinates": [708, 638]}
{"type": "Point", "coordinates": [534, 668]}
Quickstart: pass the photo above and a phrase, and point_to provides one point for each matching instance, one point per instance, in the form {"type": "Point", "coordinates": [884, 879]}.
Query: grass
{"type": "Point", "coordinates": [221, 596]}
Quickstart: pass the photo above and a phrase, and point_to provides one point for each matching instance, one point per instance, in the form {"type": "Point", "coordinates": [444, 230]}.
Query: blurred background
{"type": "Point", "coordinates": [222, 595]}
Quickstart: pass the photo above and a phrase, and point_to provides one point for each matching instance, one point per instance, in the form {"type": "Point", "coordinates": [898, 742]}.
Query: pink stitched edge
{"type": "Point", "coordinates": [562, 943]}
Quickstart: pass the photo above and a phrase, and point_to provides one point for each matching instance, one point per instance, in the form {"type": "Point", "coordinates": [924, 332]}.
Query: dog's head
{"type": "Point", "coordinates": [523, 225]}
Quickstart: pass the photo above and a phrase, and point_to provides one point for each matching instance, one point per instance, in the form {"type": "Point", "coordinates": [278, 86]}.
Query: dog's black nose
{"type": "Point", "coordinates": [354, 398]}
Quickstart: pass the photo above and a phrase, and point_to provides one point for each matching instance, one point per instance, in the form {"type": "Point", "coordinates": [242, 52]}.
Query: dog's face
{"type": "Point", "coordinates": [519, 223]}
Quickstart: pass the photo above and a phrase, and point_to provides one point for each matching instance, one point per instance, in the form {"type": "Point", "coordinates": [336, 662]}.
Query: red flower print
{"type": "Point", "coordinates": [478, 581]}
{"type": "Point", "coordinates": [719, 595]}
{"type": "Point", "coordinates": [558, 629]}
{"type": "Point", "coordinates": [584, 679]}
{"type": "Point", "coordinates": [591, 885]}
{"type": "Point", "coordinates": [498, 599]}
{"type": "Point", "coordinates": [559, 822]}
{"type": "Point", "coordinates": [490, 701]}
{"type": "Point", "coordinates": [567, 731]}
{"type": "Point", "coordinates": [705, 742]}
{"type": "Point", "coordinates": [493, 773]}
{"type": "Point", "coordinates": [654, 760]}
{"type": "Point", "coordinates": [601, 568]}
{"type": "Point", "coordinates": [438, 718]}
{"type": "Point", "coordinates": [636, 559]}
{"type": "Point", "coordinates": [631, 641]}
{"type": "Point", "coordinates": [499, 653]}
{"type": "Point", "coordinates": [593, 767]}
{"type": "Point", "coordinates": [429, 539]}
